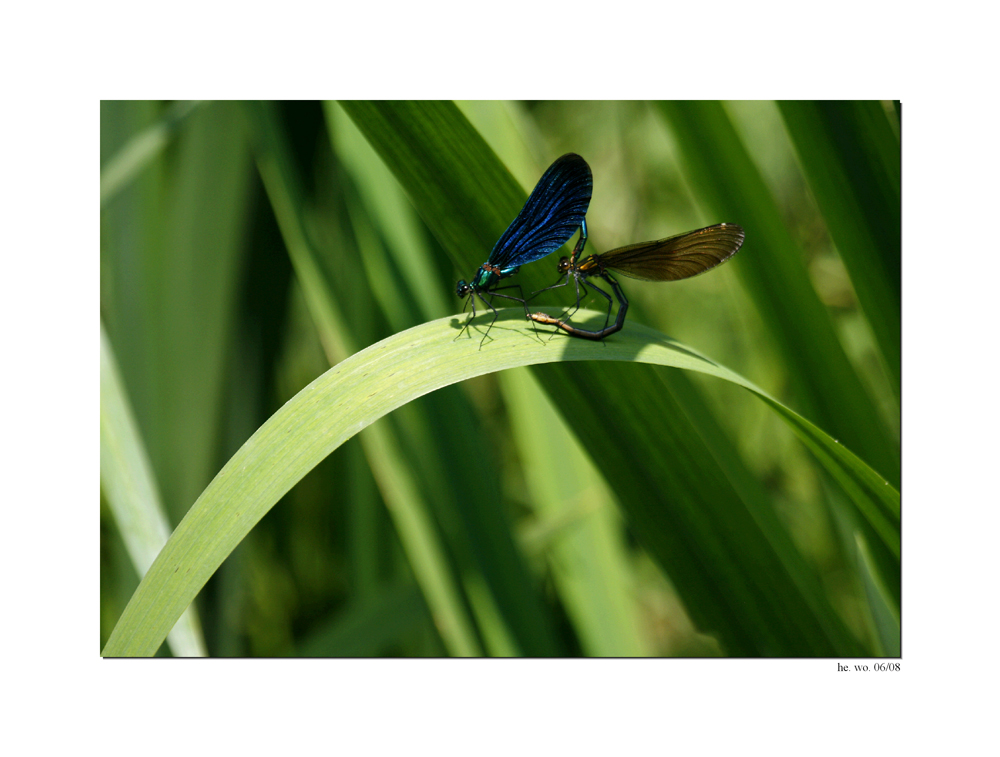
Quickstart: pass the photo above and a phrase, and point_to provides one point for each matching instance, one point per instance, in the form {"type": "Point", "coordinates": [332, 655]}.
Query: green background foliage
{"type": "Point", "coordinates": [596, 504]}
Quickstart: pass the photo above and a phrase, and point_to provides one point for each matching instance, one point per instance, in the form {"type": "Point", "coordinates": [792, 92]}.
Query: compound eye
{"type": "Point", "coordinates": [462, 289]}
{"type": "Point", "coordinates": [563, 265]}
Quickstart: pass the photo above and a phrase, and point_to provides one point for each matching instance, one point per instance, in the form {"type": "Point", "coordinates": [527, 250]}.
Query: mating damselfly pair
{"type": "Point", "coordinates": [555, 210]}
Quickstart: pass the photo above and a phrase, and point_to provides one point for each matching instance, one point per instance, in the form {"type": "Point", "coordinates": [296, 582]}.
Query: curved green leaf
{"type": "Point", "coordinates": [772, 269]}
{"type": "Point", "coordinates": [385, 454]}
{"type": "Point", "coordinates": [685, 495]}
{"type": "Point", "coordinates": [372, 383]}
{"type": "Point", "coordinates": [129, 484]}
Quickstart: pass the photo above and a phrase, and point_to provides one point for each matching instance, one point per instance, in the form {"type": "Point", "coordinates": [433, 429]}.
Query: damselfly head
{"type": "Point", "coordinates": [563, 265]}
{"type": "Point", "coordinates": [462, 289]}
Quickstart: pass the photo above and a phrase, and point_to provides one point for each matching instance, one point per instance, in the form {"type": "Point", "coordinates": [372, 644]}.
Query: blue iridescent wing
{"type": "Point", "coordinates": [554, 211]}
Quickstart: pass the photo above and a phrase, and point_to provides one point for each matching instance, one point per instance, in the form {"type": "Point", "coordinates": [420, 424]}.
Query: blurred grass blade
{"type": "Point", "coordinates": [447, 461]}
{"type": "Point", "coordinates": [390, 211]}
{"type": "Point", "coordinates": [130, 488]}
{"type": "Point", "coordinates": [171, 258]}
{"type": "Point", "coordinates": [451, 464]}
{"type": "Point", "coordinates": [851, 159]}
{"type": "Point", "coordinates": [459, 179]}
{"type": "Point", "coordinates": [142, 148]}
{"type": "Point", "coordinates": [679, 501]}
{"type": "Point", "coordinates": [348, 398]}
{"type": "Point", "coordinates": [416, 529]}
{"type": "Point", "coordinates": [370, 628]}
{"type": "Point", "coordinates": [582, 533]}
{"type": "Point", "coordinates": [400, 491]}
{"type": "Point", "coordinates": [884, 607]}
{"type": "Point", "coordinates": [497, 639]}
{"type": "Point", "coordinates": [757, 500]}
{"type": "Point", "coordinates": [555, 469]}
{"type": "Point", "coordinates": [875, 498]}
{"type": "Point", "coordinates": [771, 267]}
